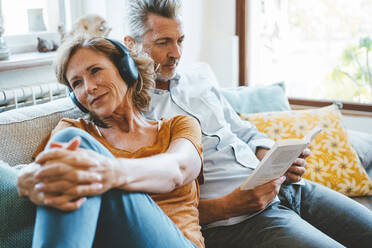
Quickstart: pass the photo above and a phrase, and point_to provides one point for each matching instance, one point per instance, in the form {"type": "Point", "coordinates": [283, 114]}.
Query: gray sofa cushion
{"type": "Point", "coordinates": [362, 143]}
{"type": "Point", "coordinates": [17, 216]}
{"type": "Point", "coordinates": [22, 130]}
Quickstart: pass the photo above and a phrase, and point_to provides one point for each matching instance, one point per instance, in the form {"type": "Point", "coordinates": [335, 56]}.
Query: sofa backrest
{"type": "Point", "coordinates": [22, 130]}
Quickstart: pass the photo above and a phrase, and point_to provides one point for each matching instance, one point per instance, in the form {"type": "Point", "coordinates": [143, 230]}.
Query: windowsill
{"type": "Point", "coordinates": [27, 60]}
{"type": "Point", "coordinates": [348, 108]}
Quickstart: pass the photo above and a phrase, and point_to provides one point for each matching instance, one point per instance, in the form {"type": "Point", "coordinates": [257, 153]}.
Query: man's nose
{"type": "Point", "coordinates": [176, 51]}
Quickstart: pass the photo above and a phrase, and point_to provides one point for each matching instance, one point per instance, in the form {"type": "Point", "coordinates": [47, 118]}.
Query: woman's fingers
{"type": "Point", "coordinates": [73, 198]}
{"type": "Point", "coordinates": [54, 187]}
{"type": "Point", "coordinates": [64, 202]}
{"type": "Point", "coordinates": [55, 145]}
{"type": "Point", "coordinates": [78, 158]}
{"type": "Point", "coordinates": [52, 171]}
{"type": "Point", "coordinates": [26, 179]}
{"type": "Point", "coordinates": [72, 145]}
{"type": "Point", "coordinates": [64, 172]}
{"type": "Point", "coordinates": [83, 176]}
{"type": "Point", "coordinates": [68, 189]}
{"type": "Point", "coordinates": [85, 190]}
{"type": "Point", "coordinates": [74, 205]}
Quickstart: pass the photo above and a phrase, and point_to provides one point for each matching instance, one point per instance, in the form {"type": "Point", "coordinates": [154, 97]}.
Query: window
{"type": "Point", "coordinates": [322, 49]}
{"type": "Point", "coordinates": [32, 16]}
{"type": "Point", "coordinates": [25, 20]}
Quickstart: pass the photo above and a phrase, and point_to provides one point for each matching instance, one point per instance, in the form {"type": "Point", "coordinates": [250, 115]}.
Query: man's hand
{"type": "Point", "coordinates": [298, 168]}
{"type": "Point", "coordinates": [246, 201]}
{"type": "Point", "coordinates": [239, 202]}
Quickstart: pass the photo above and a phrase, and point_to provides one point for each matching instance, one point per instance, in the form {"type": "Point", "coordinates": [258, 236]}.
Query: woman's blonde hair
{"type": "Point", "coordinates": [139, 91]}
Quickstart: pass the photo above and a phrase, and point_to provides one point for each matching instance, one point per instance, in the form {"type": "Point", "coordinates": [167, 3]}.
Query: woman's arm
{"type": "Point", "coordinates": [161, 173]}
{"type": "Point", "coordinates": [75, 173]}
{"type": "Point", "coordinates": [67, 176]}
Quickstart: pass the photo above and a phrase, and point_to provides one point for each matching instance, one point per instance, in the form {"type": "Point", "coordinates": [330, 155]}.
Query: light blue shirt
{"type": "Point", "coordinates": [229, 143]}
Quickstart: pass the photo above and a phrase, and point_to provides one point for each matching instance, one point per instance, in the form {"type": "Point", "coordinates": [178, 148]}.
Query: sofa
{"type": "Point", "coordinates": [22, 130]}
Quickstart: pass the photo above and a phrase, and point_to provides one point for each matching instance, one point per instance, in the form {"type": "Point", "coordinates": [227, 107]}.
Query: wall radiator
{"type": "Point", "coordinates": [30, 95]}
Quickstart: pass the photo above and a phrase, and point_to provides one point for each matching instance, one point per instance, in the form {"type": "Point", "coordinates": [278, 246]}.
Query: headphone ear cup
{"type": "Point", "coordinates": [77, 103]}
{"type": "Point", "coordinates": [128, 69]}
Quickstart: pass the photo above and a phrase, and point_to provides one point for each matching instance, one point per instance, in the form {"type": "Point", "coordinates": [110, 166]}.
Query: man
{"type": "Point", "coordinates": [303, 214]}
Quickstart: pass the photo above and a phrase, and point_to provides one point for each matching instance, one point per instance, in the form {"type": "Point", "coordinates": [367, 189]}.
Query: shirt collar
{"type": "Point", "coordinates": [175, 80]}
{"type": "Point", "coordinates": [173, 83]}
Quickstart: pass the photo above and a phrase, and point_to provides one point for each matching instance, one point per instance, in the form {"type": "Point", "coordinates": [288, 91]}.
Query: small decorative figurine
{"type": "Point", "coordinates": [44, 46]}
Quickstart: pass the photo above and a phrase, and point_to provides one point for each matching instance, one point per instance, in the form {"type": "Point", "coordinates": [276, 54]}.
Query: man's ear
{"type": "Point", "coordinates": [129, 41]}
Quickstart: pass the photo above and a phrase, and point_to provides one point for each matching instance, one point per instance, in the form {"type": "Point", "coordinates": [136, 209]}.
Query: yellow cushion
{"type": "Point", "coordinates": [333, 161]}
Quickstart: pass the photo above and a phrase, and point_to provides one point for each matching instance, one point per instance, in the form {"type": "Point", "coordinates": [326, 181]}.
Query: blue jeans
{"type": "Point", "coordinates": [306, 216]}
{"type": "Point", "coordinates": [114, 219]}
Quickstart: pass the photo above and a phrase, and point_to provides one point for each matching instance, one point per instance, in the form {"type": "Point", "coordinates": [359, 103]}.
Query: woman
{"type": "Point", "coordinates": [112, 158]}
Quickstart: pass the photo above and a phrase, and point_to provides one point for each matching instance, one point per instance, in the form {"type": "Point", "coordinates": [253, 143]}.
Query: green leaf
{"type": "Point", "coordinates": [365, 42]}
{"type": "Point", "coordinates": [348, 54]}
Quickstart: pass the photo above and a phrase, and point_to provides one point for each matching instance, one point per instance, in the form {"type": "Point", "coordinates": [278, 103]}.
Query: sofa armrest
{"type": "Point", "coordinates": [22, 130]}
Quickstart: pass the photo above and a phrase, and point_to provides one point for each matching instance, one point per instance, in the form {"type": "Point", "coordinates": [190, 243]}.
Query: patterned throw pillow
{"type": "Point", "coordinates": [333, 161]}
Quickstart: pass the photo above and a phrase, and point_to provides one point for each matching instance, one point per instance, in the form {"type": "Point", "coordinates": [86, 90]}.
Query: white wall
{"type": "Point", "coordinates": [219, 42]}
{"type": "Point", "coordinates": [209, 27]}
{"type": "Point", "coordinates": [112, 10]}
{"type": "Point", "coordinates": [192, 16]}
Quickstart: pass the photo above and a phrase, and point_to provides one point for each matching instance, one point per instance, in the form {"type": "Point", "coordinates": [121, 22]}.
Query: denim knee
{"type": "Point", "coordinates": [68, 134]}
{"type": "Point", "coordinates": [87, 140]}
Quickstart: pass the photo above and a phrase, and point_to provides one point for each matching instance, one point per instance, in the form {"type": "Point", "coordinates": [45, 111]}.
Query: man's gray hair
{"type": "Point", "coordinates": [139, 9]}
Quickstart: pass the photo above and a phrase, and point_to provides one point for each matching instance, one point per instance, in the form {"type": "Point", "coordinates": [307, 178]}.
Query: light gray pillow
{"type": "Point", "coordinates": [246, 100]}
{"type": "Point", "coordinates": [362, 143]}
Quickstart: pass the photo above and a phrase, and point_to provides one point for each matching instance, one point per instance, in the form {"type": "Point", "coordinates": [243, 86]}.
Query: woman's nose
{"type": "Point", "coordinates": [90, 86]}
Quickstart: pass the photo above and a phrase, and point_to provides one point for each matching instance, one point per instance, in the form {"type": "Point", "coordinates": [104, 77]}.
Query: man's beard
{"type": "Point", "coordinates": [163, 78]}
{"type": "Point", "coordinates": [160, 76]}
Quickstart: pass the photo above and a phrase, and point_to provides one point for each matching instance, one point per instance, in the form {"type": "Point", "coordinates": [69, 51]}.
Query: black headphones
{"type": "Point", "coordinates": [127, 68]}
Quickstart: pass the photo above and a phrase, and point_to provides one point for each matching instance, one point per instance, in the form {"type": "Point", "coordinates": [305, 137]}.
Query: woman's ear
{"type": "Point", "coordinates": [129, 42]}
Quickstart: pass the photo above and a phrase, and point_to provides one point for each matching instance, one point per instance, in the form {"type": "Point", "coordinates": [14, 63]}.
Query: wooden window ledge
{"type": "Point", "coordinates": [348, 108]}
